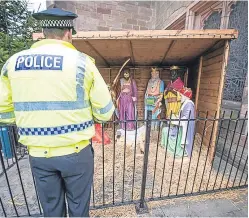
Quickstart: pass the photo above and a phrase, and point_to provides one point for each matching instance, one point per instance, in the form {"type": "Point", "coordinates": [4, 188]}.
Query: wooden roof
{"type": "Point", "coordinates": [147, 48]}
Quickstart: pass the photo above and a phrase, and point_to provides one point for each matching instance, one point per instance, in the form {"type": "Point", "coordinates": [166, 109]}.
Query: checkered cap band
{"type": "Point", "coordinates": [56, 23]}
{"type": "Point", "coordinates": [44, 131]}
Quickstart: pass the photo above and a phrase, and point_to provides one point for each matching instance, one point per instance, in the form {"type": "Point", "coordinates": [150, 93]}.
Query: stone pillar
{"type": "Point", "coordinates": [244, 106]}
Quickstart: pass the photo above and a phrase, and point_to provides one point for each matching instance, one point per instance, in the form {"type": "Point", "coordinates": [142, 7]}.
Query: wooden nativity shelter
{"type": "Point", "coordinates": [203, 52]}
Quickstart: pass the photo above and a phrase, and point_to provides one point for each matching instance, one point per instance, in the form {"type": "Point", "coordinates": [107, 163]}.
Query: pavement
{"type": "Point", "coordinates": [230, 203]}
{"type": "Point", "coordinates": [233, 203]}
{"type": "Point", "coordinates": [224, 204]}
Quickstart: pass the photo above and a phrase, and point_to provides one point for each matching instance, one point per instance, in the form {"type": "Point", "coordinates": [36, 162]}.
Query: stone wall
{"type": "Point", "coordinates": [111, 15]}
{"type": "Point", "coordinates": [123, 15]}
{"type": "Point", "coordinates": [237, 68]}
{"type": "Point", "coordinates": [213, 21]}
{"type": "Point", "coordinates": [168, 11]}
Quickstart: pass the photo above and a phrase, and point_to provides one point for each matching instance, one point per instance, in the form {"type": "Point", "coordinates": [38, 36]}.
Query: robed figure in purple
{"type": "Point", "coordinates": [127, 101]}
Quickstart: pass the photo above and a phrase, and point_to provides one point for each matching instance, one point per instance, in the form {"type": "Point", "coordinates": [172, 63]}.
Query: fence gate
{"type": "Point", "coordinates": [138, 172]}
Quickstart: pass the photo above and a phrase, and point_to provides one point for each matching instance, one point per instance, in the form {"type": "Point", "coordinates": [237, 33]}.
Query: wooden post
{"type": "Point", "coordinates": [110, 76]}
{"type": "Point", "coordinates": [198, 83]}
{"type": "Point", "coordinates": [110, 82]}
{"type": "Point", "coordinates": [222, 79]}
{"type": "Point", "coordinates": [186, 78]}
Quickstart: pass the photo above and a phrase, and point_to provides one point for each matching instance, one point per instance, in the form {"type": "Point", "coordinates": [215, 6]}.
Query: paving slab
{"type": "Point", "coordinates": [222, 206]}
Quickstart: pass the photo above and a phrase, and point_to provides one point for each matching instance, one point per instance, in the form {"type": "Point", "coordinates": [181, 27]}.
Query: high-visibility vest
{"type": "Point", "coordinates": [53, 93]}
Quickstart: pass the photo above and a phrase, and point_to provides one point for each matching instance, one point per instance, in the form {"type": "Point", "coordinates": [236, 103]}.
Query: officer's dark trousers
{"type": "Point", "coordinates": [70, 175]}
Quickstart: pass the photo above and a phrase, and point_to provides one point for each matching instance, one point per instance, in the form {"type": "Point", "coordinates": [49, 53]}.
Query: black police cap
{"type": "Point", "coordinates": [56, 18]}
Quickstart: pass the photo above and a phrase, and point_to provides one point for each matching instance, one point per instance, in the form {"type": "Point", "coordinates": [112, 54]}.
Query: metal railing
{"type": "Point", "coordinates": [7, 146]}
{"type": "Point", "coordinates": [135, 167]}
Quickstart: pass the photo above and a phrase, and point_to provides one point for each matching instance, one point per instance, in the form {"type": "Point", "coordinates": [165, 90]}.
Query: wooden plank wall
{"type": "Point", "coordinates": [193, 77]}
{"type": "Point", "coordinates": [142, 76]}
{"type": "Point", "coordinates": [210, 92]}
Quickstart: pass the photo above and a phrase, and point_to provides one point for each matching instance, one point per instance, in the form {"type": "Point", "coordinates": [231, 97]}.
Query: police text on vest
{"type": "Point", "coordinates": [39, 62]}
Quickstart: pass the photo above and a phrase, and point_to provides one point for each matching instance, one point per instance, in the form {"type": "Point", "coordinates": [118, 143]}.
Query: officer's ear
{"type": "Point", "coordinates": [68, 35]}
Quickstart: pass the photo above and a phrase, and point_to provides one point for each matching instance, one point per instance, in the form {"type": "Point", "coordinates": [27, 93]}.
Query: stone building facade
{"type": "Point", "coordinates": [111, 15]}
{"type": "Point", "coordinates": [168, 11]}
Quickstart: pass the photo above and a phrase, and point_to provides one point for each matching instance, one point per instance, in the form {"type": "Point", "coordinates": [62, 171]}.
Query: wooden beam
{"type": "Point", "coordinates": [97, 52]}
{"type": "Point", "coordinates": [168, 50]}
{"type": "Point", "coordinates": [134, 73]}
{"type": "Point", "coordinates": [165, 67]}
{"type": "Point", "coordinates": [152, 34]}
{"type": "Point", "coordinates": [110, 76]}
{"type": "Point", "coordinates": [131, 52]}
{"type": "Point", "coordinates": [198, 82]}
{"type": "Point", "coordinates": [214, 47]}
{"type": "Point", "coordinates": [222, 79]}
{"type": "Point", "coordinates": [186, 78]}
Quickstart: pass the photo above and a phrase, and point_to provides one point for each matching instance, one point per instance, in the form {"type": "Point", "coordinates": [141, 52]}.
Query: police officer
{"type": "Point", "coordinates": [54, 93]}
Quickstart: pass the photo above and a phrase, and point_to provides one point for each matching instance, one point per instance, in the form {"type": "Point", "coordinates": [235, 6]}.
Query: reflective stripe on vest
{"type": "Point", "coordinates": [44, 131]}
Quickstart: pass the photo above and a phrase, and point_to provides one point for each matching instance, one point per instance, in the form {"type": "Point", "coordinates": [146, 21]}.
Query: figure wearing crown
{"type": "Point", "coordinates": [173, 98]}
{"type": "Point", "coordinates": [154, 96]}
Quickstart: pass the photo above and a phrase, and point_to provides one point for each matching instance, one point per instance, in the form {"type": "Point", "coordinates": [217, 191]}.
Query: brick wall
{"type": "Point", "coordinates": [167, 11]}
{"type": "Point", "coordinates": [111, 15]}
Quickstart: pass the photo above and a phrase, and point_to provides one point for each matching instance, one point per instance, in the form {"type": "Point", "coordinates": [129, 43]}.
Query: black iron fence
{"type": "Point", "coordinates": [7, 146]}
{"type": "Point", "coordinates": [139, 166]}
